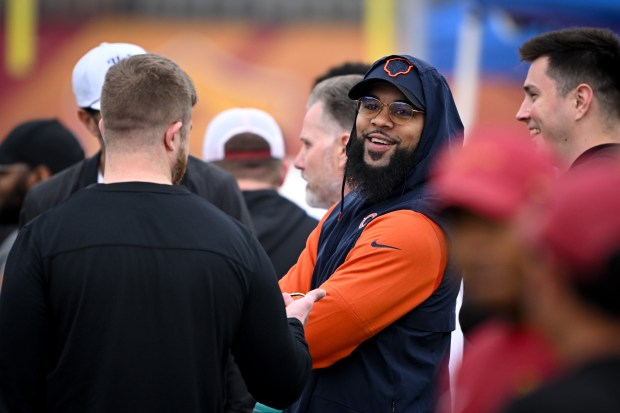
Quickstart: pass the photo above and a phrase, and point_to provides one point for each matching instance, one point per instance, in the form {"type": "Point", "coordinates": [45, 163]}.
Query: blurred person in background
{"type": "Point", "coordinates": [572, 93]}
{"type": "Point", "coordinates": [325, 132]}
{"type": "Point", "coordinates": [573, 274]}
{"type": "Point", "coordinates": [482, 188]}
{"type": "Point", "coordinates": [248, 143]}
{"type": "Point", "coordinates": [32, 152]}
{"type": "Point", "coordinates": [381, 253]}
{"type": "Point", "coordinates": [89, 73]}
{"type": "Point", "coordinates": [129, 296]}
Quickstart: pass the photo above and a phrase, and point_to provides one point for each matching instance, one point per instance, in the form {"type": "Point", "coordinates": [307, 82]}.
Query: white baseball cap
{"type": "Point", "coordinates": [236, 121]}
{"type": "Point", "coordinates": [89, 72]}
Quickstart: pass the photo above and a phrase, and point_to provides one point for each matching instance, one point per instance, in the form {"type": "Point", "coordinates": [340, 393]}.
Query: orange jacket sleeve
{"type": "Point", "coordinates": [375, 286]}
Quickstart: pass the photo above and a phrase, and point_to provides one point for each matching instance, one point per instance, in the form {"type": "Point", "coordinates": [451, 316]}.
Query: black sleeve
{"type": "Point", "coordinates": [31, 207]}
{"type": "Point", "coordinates": [230, 200]}
{"type": "Point", "coordinates": [543, 401]}
{"type": "Point", "coordinates": [24, 328]}
{"type": "Point", "coordinates": [270, 349]}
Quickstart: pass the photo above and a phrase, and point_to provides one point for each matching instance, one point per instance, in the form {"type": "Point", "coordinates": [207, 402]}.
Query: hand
{"type": "Point", "coordinates": [300, 308]}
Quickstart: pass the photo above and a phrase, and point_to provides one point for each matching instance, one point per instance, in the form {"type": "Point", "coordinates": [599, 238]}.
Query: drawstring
{"type": "Point", "coordinates": [352, 135]}
{"type": "Point", "coordinates": [344, 180]}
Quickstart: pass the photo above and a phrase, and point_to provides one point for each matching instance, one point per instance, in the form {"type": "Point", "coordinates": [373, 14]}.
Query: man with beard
{"type": "Point", "coordinates": [32, 152]}
{"type": "Point", "coordinates": [203, 179]}
{"type": "Point", "coordinates": [129, 296]}
{"type": "Point", "coordinates": [379, 338]}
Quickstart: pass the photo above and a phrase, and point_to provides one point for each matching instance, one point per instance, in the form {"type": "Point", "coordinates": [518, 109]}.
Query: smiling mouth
{"type": "Point", "coordinates": [380, 141]}
{"type": "Point", "coordinates": [534, 131]}
{"type": "Point", "coordinates": [379, 138]}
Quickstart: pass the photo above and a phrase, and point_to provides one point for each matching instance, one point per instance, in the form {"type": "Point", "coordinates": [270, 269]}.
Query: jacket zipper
{"type": "Point", "coordinates": [393, 406]}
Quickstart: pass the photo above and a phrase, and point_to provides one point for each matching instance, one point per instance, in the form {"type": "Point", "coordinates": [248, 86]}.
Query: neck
{"type": "Point", "coordinates": [136, 167]}
{"type": "Point", "coordinates": [253, 185]}
{"type": "Point", "coordinates": [589, 136]}
{"type": "Point", "coordinates": [589, 337]}
{"type": "Point", "coordinates": [102, 161]}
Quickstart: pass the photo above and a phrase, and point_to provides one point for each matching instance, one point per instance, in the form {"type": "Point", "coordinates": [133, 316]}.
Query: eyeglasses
{"type": "Point", "coordinates": [399, 112]}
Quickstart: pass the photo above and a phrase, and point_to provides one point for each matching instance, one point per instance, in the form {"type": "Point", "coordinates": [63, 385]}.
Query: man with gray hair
{"type": "Point", "coordinates": [325, 132]}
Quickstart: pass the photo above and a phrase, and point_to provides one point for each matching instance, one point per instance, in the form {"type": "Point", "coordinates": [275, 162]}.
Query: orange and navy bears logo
{"type": "Point", "coordinates": [397, 66]}
{"type": "Point", "coordinates": [367, 219]}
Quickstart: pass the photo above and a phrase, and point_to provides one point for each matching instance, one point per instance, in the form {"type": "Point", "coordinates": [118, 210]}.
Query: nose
{"type": "Point", "coordinates": [523, 114]}
{"type": "Point", "coordinates": [300, 161]}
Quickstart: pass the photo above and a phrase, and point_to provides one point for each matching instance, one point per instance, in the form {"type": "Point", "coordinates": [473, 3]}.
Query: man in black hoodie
{"type": "Point", "coordinates": [379, 338]}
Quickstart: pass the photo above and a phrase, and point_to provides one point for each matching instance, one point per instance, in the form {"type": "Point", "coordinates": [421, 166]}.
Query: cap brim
{"type": "Point", "coordinates": [361, 89]}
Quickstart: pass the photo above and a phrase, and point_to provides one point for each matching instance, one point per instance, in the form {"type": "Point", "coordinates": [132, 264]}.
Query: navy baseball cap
{"type": "Point", "coordinates": [398, 71]}
{"type": "Point", "coordinates": [41, 142]}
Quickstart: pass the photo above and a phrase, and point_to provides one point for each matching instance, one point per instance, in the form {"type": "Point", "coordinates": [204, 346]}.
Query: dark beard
{"type": "Point", "coordinates": [178, 171]}
{"type": "Point", "coordinates": [376, 184]}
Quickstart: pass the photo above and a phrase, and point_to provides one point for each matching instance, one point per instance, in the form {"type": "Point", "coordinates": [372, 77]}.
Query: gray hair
{"type": "Point", "coordinates": [334, 94]}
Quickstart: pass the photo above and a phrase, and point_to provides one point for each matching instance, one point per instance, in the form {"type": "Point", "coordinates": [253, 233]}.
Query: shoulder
{"type": "Point", "coordinates": [198, 169]}
{"type": "Point", "coordinates": [210, 181]}
{"type": "Point", "coordinates": [407, 234]}
{"type": "Point", "coordinates": [590, 388]}
{"type": "Point", "coordinates": [62, 180]}
{"type": "Point", "coordinates": [405, 224]}
{"type": "Point", "coordinates": [51, 192]}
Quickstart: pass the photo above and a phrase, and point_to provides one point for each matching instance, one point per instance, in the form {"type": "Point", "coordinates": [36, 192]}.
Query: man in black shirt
{"type": "Point", "coordinates": [129, 296]}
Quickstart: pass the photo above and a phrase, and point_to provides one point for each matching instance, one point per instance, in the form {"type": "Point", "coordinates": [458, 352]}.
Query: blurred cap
{"type": "Point", "coordinates": [398, 71]}
{"type": "Point", "coordinates": [89, 72]}
{"type": "Point", "coordinates": [580, 224]}
{"type": "Point", "coordinates": [237, 121]}
{"type": "Point", "coordinates": [41, 142]}
{"type": "Point", "coordinates": [492, 175]}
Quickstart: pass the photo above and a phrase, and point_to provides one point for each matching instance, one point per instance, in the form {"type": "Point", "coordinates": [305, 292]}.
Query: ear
{"type": "Point", "coordinates": [583, 99]}
{"type": "Point", "coordinates": [38, 174]}
{"type": "Point", "coordinates": [172, 136]}
{"type": "Point", "coordinates": [343, 139]}
{"type": "Point", "coordinates": [88, 122]}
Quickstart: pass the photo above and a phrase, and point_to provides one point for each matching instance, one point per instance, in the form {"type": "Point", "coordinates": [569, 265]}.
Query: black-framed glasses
{"type": "Point", "coordinates": [399, 112]}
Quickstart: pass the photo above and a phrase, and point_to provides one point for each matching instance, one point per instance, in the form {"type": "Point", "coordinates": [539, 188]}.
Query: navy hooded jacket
{"type": "Point", "coordinates": [394, 370]}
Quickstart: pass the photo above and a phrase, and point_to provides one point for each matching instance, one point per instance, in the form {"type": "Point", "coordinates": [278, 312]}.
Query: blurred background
{"type": "Point", "coordinates": [267, 53]}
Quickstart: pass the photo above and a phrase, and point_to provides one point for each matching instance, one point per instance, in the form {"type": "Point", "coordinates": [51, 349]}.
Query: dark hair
{"type": "Point", "coordinates": [346, 68]}
{"type": "Point", "coordinates": [259, 168]}
{"type": "Point", "coordinates": [146, 91]}
{"type": "Point", "coordinates": [334, 93]}
{"type": "Point", "coordinates": [581, 55]}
